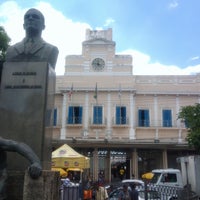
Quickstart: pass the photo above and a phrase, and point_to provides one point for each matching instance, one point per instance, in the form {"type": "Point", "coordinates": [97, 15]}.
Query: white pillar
{"type": "Point", "coordinates": [156, 116]}
{"type": "Point", "coordinates": [86, 122]}
{"type": "Point", "coordinates": [63, 127]}
{"type": "Point", "coordinates": [132, 134]}
{"type": "Point", "coordinates": [108, 167]}
{"type": "Point", "coordinates": [165, 160]}
{"type": "Point", "coordinates": [95, 164]}
{"type": "Point", "coordinates": [180, 135]}
{"type": "Point", "coordinates": [134, 164]}
{"type": "Point", "coordinates": [177, 110]}
{"type": "Point", "coordinates": [108, 111]}
{"type": "Point", "coordinates": [178, 121]}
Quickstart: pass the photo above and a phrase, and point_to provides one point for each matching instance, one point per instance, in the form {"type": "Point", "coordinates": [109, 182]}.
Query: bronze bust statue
{"type": "Point", "coordinates": [33, 48]}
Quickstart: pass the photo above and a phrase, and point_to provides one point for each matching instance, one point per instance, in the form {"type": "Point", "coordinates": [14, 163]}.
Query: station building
{"type": "Point", "coordinates": [118, 119]}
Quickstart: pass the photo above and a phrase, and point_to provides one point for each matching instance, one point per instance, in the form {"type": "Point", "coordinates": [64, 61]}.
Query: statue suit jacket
{"type": "Point", "coordinates": [40, 51]}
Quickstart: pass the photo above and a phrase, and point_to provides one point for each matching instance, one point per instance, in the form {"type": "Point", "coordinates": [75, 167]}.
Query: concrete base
{"type": "Point", "coordinates": [14, 186]}
{"type": "Point", "coordinates": [26, 109]}
{"type": "Point", "coordinates": [44, 188]}
{"type": "Point", "coordinates": [21, 187]}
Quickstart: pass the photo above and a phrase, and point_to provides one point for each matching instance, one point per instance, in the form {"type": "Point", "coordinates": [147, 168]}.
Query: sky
{"type": "Point", "coordinates": [163, 36]}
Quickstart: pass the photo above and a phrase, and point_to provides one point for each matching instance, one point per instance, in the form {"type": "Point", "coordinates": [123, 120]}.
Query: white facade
{"type": "Point", "coordinates": [136, 115]}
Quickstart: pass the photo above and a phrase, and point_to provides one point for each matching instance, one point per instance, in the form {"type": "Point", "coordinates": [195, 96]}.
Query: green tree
{"type": "Point", "coordinates": [191, 116]}
{"type": "Point", "coordinates": [4, 43]}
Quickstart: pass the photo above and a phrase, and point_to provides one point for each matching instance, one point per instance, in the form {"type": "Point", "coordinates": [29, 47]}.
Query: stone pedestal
{"type": "Point", "coordinates": [44, 188]}
{"type": "Point", "coordinates": [21, 187]}
{"type": "Point", "coordinates": [15, 184]}
{"type": "Point", "coordinates": [26, 109]}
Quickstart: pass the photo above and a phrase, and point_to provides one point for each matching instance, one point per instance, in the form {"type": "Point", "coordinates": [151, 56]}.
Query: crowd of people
{"type": "Point", "coordinates": [128, 193]}
{"type": "Point", "coordinates": [96, 190]}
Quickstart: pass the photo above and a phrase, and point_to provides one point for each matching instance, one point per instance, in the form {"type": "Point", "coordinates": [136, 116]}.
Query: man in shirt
{"type": "Point", "coordinates": [124, 193]}
{"type": "Point", "coordinates": [100, 192]}
{"type": "Point", "coordinates": [33, 48]}
{"type": "Point", "coordinates": [134, 192]}
{"type": "Point", "coordinates": [34, 169]}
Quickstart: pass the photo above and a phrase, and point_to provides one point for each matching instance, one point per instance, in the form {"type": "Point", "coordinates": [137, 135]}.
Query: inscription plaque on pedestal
{"type": "Point", "coordinates": [26, 109]}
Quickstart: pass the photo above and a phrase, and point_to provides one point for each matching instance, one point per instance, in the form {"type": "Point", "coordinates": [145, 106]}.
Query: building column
{"type": "Point", "coordinates": [86, 118]}
{"type": "Point", "coordinates": [156, 117]}
{"type": "Point", "coordinates": [132, 134]}
{"type": "Point", "coordinates": [95, 164]}
{"type": "Point", "coordinates": [165, 161]}
{"type": "Point", "coordinates": [179, 125]}
{"type": "Point", "coordinates": [63, 125]}
{"type": "Point", "coordinates": [177, 110]}
{"type": "Point", "coordinates": [134, 164]}
{"type": "Point", "coordinates": [108, 167]}
{"type": "Point", "coordinates": [108, 120]}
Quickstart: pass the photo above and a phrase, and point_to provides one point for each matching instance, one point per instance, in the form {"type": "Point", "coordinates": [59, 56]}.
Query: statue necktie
{"type": "Point", "coordinates": [28, 46]}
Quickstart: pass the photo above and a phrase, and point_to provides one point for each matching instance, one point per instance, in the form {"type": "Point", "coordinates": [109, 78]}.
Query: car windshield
{"type": "Point", "coordinates": [155, 178]}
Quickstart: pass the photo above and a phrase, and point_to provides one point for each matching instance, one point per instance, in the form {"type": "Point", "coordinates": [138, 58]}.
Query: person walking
{"type": "Point", "coordinates": [100, 192]}
{"type": "Point", "coordinates": [134, 193]}
{"type": "Point", "coordinates": [125, 194]}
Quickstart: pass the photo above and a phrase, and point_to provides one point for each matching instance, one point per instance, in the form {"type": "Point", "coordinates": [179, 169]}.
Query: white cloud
{"type": "Point", "coordinates": [173, 4]}
{"type": "Point", "coordinates": [68, 36]}
{"type": "Point", "coordinates": [142, 65]}
{"type": "Point", "coordinates": [109, 22]}
{"type": "Point", "coordinates": [195, 58]}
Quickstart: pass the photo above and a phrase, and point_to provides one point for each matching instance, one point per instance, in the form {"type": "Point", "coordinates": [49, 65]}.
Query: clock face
{"type": "Point", "coordinates": [98, 64]}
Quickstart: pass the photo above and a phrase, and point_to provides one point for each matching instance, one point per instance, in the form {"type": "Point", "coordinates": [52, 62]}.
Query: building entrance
{"type": "Point", "coordinates": [113, 165]}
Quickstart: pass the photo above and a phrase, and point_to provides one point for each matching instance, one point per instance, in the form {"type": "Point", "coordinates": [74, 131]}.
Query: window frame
{"type": "Point", "coordinates": [75, 114]}
{"type": "Point", "coordinates": [55, 117]}
{"type": "Point", "coordinates": [143, 117]}
{"type": "Point", "coordinates": [97, 110]}
{"type": "Point", "coordinates": [166, 117]}
{"type": "Point", "coordinates": [120, 115]}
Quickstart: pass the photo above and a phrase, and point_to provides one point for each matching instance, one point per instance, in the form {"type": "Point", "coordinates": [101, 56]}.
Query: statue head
{"type": "Point", "coordinates": [34, 23]}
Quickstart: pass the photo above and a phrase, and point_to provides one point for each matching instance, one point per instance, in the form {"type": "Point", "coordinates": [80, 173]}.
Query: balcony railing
{"type": "Point", "coordinates": [98, 121]}
{"type": "Point", "coordinates": [124, 121]}
{"type": "Point", "coordinates": [74, 121]}
{"type": "Point", "coordinates": [160, 124]}
{"type": "Point", "coordinates": [120, 121]}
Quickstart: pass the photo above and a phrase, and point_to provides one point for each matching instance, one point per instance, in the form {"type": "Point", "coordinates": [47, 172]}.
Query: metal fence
{"type": "Point", "coordinates": [150, 193]}
{"type": "Point", "coordinates": [70, 193]}
{"type": "Point", "coordinates": [168, 193]}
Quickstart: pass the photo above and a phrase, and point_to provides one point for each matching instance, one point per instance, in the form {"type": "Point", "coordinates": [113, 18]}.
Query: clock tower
{"type": "Point", "coordinates": [98, 57]}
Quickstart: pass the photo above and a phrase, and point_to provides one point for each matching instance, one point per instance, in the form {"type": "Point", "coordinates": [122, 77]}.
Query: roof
{"type": "Point", "coordinates": [166, 170]}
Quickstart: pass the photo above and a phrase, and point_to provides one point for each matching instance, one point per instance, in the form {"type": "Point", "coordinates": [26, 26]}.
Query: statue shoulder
{"type": "Point", "coordinates": [50, 46]}
{"type": "Point", "coordinates": [17, 46]}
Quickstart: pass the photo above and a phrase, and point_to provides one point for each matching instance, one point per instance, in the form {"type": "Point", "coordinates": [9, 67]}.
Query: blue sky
{"type": "Point", "coordinates": [163, 36]}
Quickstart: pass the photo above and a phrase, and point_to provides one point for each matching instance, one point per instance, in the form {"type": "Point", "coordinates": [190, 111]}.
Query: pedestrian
{"type": "Point", "coordinates": [134, 193]}
{"type": "Point", "coordinates": [100, 192]}
{"type": "Point", "coordinates": [121, 173]}
{"type": "Point", "coordinates": [125, 194]}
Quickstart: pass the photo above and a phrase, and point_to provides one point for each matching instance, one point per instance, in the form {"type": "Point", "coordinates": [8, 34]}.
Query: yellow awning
{"type": "Point", "coordinates": [148, 175]}
{"type": "Point", "coordinates": [66, 157]}
{"type": "Point", "coordinates": [63, 173]}
{"type": "Point", "coordinates": [74, 169]}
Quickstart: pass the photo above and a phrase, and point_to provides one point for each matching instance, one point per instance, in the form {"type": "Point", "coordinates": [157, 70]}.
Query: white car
{"type": "Point", "coordinates": [114, 195]}
{"type": "Point", "coordinates": [153, 195]}
{"type": "Point", "coordinates": [139, 183]}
